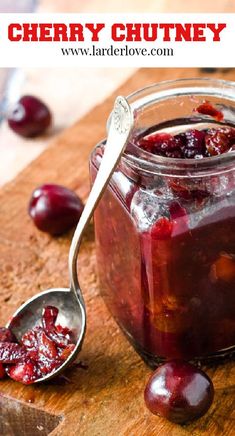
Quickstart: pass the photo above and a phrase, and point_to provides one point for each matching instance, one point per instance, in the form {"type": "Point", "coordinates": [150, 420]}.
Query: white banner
{"type": "Point", "coordinates": [117, 40]}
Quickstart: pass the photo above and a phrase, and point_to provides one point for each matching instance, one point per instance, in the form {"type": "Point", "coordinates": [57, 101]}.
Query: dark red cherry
{"type": "Point", "coordinates": [207, 109]}
{"type": "Point", "coordinates": [163, 144]}
{"type": "Point", "coordinates": [12, 353]}
{"type": "Point", "coordinates": [55, 209]}
{"type": "Point", "coordinates": [25, 372]}
{"type": "Point", "coordinates": [161, 229]}
{"type": "Point", "coordinates": [217, 142]}
{"type": "Point", "coordinates": [29, 116]}
{"type": "Point", "coordinates": [49, 316]}
{"type": "Point", "coordinates": [179, 392]}
{"type": "Point", "coordinates": [195, 143]}
{"type": "Point", "coordinates": [154, 142]}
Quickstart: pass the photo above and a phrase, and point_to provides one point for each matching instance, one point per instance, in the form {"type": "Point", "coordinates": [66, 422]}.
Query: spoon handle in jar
{"type": "Point", "coordinates": [120, 127]}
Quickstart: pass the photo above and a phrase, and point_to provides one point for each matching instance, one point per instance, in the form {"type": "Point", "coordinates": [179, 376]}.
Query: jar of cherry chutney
{"type": "Point", "coordinates": [165, 227]}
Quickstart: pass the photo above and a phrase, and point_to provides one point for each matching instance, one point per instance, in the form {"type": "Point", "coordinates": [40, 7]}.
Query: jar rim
{"type": "Point", "coordinates": [151, 163]}
{"type": "Point", "coordinates": [224, 84]}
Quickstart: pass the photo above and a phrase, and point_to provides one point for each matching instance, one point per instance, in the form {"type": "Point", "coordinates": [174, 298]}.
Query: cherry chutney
{"type": "Point", "coordinates": [166, 247]}
{"type": "Point", "coordinates": [41, 350]}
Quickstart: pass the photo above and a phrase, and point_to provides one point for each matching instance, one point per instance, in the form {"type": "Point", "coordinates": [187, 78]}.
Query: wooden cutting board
{"type": "Point", "coordinates": [107, 397]}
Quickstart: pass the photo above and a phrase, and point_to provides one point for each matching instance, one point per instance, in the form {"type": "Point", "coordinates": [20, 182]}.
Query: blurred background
{"type": "Point", "coordinates": [70, 93]}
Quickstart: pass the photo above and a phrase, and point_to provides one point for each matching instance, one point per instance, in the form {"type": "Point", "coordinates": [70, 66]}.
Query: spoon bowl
{"type": "Point", "coordinates": [71, 314]}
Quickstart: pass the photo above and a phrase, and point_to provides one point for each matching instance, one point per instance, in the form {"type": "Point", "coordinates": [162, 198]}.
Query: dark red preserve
{"type": "Point", "coordinates": [165, 226]}
{"type": "Point", "coordinates": [41, 350]}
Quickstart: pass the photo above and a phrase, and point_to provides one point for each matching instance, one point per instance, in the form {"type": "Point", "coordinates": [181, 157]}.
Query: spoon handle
{"type": "Point", "coordinates": [119, 131]}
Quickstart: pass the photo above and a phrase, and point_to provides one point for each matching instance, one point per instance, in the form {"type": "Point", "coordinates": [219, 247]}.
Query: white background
{"type": "Point", "coordinates": [186, 54]}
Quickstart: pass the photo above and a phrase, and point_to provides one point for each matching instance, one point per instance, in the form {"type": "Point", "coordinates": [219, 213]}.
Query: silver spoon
{"type": "Point", "coordinates": [69, 301]}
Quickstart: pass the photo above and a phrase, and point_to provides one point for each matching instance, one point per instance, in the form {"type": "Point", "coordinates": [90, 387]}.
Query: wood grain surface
{"type": "Point", "coordinates": [107, 397]}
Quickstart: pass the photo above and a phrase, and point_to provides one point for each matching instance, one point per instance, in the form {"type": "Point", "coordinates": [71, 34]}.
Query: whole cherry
{"type": "Point", "coordinates": [54, 208]}
{"type": "Point", "coordinates": [179, 392]}
{"type": "Point", "coordinates": [29, 116]}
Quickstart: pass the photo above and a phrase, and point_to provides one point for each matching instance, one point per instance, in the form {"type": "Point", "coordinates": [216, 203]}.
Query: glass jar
{"type": "Point", "coordinates": [165, 231]}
